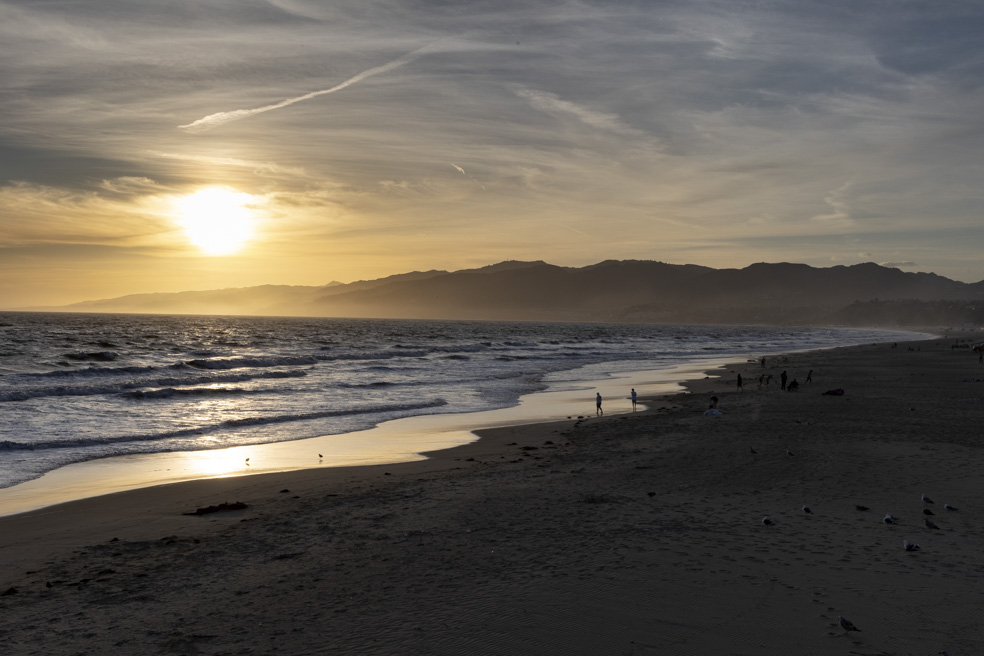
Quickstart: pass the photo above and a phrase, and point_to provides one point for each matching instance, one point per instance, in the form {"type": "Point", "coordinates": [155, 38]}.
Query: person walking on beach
{"type": "Point", "coordinates": [809, 376]}
{"type": "Point", "coordinates": [634, 398]}
{"type": "Point", "coordinates": [598, 410]}
{"type": "Point", "coordinates": [782, 379]}
{"type": "Point", "coordinates": [738, 383]}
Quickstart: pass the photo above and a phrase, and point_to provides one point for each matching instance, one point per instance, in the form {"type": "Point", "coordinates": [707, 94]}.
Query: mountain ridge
{"type": "Point", "coordinates": [612, 290]}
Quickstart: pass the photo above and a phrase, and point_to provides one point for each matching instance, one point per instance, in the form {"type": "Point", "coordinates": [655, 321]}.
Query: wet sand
{"type": "Point", "coordinates": [633, 534]}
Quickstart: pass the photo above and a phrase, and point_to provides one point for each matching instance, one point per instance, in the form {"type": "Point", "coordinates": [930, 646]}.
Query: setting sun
{"type": "Point", "coordinates": [217, 220]}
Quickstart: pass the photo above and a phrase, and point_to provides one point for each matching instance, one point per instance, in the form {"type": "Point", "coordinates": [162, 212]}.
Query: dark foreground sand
{"type": "Point", "coordinates": [637, 534]}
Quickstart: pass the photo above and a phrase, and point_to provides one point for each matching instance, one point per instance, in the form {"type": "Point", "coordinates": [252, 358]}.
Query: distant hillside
{"type": "Point", "coordinates": [626, 291]}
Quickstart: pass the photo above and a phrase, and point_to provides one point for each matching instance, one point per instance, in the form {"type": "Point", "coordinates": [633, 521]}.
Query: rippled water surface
{"type": "Point", "coordinates": [79, 386]}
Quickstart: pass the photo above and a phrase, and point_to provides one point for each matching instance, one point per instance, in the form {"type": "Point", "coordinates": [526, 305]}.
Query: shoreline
{"type": "Point", "coordinates": [636, 534]}
{"type": "Point", "coordinates": [407, 439]}
{"type": "Point", "coordinates": [383, 444]}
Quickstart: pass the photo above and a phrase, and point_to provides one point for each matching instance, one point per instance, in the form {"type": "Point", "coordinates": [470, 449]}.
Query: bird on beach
{"type": "Point", "coordinates": [807, 510]}
{"type": "Point", "coordinates": [858, 506]}
{"type": "Point", "coordinates": [888, 519]}
{"type": "Point", "coordinates": [847, 624]}
{"type": "Point", "coordinates": [909, 546]}
{"type": "Point", "coordinates": [947, 506]}
{"type": "Point", "coordinates": [752, 449]}
{"type": "Point", "coordinates": [767, 521]}
{"type": "Point", "coordinates": [930, 524]}
{"type": "Point", "coordinates": [927, 511]}
{"type": "Point", "coordinates": [247, 462]}
{"type": "Point", "coordinates": [927, 499]}
{"type": "Point", "coordinates": [789, 453]}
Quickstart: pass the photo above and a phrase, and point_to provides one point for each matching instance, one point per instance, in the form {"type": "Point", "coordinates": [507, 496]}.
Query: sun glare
{"type": "Point", "coordinates": [217, 220]}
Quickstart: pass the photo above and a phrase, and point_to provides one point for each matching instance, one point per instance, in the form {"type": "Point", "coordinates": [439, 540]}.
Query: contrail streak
{"type": "Point", "coordinates": [220, 118]}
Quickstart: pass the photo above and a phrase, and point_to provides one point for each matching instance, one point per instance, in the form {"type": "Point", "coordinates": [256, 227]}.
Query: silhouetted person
{"type": "Point", "coordinates": [793, 386]}
{"type": "Point", "coordinates": [713, 407]}
{"type": "Point", "coordinates": [782, 379]}
{"type": "Point", "coordinates": [634, 398]}
{"type": "Point", "coordinates": [598, 410]}
{"type": "Point", "coordinates": [763, 362]}
{"type": "Point", "coordinates": [738, 383]}
{"type": "Point", "coordinates": [809, 376]}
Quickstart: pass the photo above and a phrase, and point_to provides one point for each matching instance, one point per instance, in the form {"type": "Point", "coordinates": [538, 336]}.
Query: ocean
{"type": "Point", "coordinates": [78, 387]}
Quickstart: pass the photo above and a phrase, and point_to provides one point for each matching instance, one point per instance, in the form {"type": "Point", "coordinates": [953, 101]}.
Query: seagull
{"type": "Point", "coordinates": [888, 519]}
{"type": "Point", "coordinates": [767, 521]}
{"type": "Point", "coordinates": [807, 510]}
{"type": "Point", "coordinates": [320, 456]}
{"type": "Point", "coordinates": [752, 449]}
{"type": "Point", "coordinates": [858, 506]}
{"type": "Point", "coordinates": [930, 524]}
{"type": "Point", "coordinates": [910, 546]}
{"type": "Point", "coordinates": [947, 506]}
{"type": "Point", "coordinates": [788, 452]}
{"type": "Point", "coordinates": [927, 511]}
{"type": "Point", "coordinates": [926, 499]}
{"type": "Point", "coordinates": [847, 624]}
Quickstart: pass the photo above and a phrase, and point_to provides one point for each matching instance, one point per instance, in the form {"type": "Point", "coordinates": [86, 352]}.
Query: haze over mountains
{"type": "Point", "coordinates": [633, 291]}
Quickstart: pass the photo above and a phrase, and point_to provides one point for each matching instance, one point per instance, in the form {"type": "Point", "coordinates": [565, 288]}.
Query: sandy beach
{"type": "Point", "coordinates": [633, 534]}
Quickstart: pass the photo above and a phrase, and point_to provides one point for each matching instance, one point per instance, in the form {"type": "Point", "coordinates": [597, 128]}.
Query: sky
{"type": "Point", "coordinates": [175, 145]}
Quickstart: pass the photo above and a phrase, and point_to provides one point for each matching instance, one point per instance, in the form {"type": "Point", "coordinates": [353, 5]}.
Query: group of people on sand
{"type": "Point", "coordinates": [785, 384]}
{"type": "Point", "coordinates": [764, 380]}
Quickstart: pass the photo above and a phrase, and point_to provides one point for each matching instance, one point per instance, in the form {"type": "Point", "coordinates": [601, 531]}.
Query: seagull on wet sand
{"type": "Point", "coordinates": [947, 506]}
{"type": "Point", "coordinates": [888, 519]}
{"type": "Point", "coordinates": [909, 546]}
{"type": "Point", "coordinates": [807, 510]}
{"type": "Point", "coordinates": [927, 511]}
{"type": "Point", "coordinates": [927, 499]}
{"type": "Point", "coordinates": [930, 524]}
{"type": "Point", "coordinates": [847, 624]}
{"type": "Point", "coordinates": [858, 506]}
{"type": "Point", "coordinates": [767, 521]}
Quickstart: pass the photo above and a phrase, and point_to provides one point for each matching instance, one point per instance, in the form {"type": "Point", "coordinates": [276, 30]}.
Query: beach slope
{"type": "Point", "coordinates": [636, 534]}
